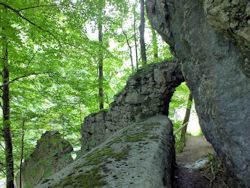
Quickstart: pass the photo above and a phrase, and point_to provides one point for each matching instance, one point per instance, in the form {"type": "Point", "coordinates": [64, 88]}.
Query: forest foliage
{"type": "Point", "coordinates": [53, 52]}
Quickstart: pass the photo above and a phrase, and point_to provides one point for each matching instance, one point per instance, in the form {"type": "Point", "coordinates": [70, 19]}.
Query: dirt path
{"type": "Point", "coordinates": [197, 148]}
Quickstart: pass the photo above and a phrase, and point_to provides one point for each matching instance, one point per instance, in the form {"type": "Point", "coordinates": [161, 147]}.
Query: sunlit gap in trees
{"type": "Point", "coordinates": [193, 126]}
{"type": "Point", "coordinates": [177, 111]}
{"type": "Point", "coordinates": [125, 27]}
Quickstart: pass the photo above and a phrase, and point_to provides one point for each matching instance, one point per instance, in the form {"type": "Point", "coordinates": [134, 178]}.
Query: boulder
{"type": "Point", "coordinates": [51, 154]}
{"type": "Point", "coordinates": [140, 155]}
{"type": "Point", "coordinates": [210, 38]}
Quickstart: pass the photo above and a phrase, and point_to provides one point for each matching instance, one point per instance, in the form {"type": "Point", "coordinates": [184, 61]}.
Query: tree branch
{"type": "Point", "coordinates": [29, 21]}
{"type": "Point", "coordinates": [130, 49]}
{"type": "Point", "coordinates": [38, 6]}
{"type": "Point", "coordinates": [24, 76]}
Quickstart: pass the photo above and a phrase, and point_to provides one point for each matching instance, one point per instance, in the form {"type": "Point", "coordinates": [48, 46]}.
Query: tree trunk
{"type": "Point", "coordinates": [185, 122]}
{"type": "Point", "coordinates": [22, 154]}
{"type": "Point", "coordinates": [100, 56]}
{"type": "Point", "coordinates": [6, 116]}
{"type": "Point", "coordinates": [130, 50]}
{"type": "Point", "coordinates": [135, 38]}
{"type": "Point", "coordinates": [142, 39]}
{"type": "Point", "coordinates": [155, 45]}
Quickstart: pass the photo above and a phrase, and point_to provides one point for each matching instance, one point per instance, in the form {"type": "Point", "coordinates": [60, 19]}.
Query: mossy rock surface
{"type": "Point", "coordinates": [128, 158]}
{"type": "Point", "coordinates": [52, 153]}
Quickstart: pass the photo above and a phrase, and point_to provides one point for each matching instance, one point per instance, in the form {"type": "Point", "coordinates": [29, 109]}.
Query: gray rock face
{"type": "Point", "coordinates": [232, 18]}
{"type": "Point", "coordinates": [146, 94]}
{"type": "Point", "coordinates": [216, 68]}
{"type": "Point", "coordinates": [140, 155]}
{"type": "Point", "coordinates": [52, 153]}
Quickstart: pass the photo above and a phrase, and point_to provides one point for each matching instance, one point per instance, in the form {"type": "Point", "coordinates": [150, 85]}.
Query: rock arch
{"type": "Point", "coordinates": [146, 94]}
{"type": "Point", "coordinates": [211, 40]}
{"type": "Point", "coordinates": [215, 65]}
{"type": "Point", "coordinates": [132, 140]}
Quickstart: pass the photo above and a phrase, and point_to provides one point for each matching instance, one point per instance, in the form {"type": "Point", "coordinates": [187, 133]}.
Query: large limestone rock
{"type": "Point", "coordinates": [146, 94]}
{"type": "Point", "coordinates": [215, 65]}
{"type": "Point", "coordinates": [52, 153]}
{"type": "Point", "coordinates": [138, 156]}
{"type": "Point", "coordinates": [232, 18]}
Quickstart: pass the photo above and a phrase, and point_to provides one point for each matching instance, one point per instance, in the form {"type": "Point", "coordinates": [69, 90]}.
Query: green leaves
{"type": "Point", "coordinates": [53, 56]}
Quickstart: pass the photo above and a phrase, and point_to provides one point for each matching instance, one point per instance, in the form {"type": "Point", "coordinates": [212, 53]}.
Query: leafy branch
{"type": "Point", "coordinates": [23, 76]}
{"type": "Point", "coordinates": [38, 6]}
{"type": "Point", "coordinates": [17, 12]}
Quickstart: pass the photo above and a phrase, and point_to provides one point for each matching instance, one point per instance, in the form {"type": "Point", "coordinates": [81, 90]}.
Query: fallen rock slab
{"type": "Point", "coordinates": [138, 156]}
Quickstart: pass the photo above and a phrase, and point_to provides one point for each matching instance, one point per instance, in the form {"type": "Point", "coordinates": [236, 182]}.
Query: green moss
{"type": "Point", "coordinates": [136, 137]}
{"type": "Point", "coordinates": [118, 156]}
{"type": "Point", "coordinates": [89, 179]}
{"type": "Point", "coordinates": [142, 134]}
{"type": "Point", "coordinates": [116, 140]}
{"type": "Point", "coordinates": [100, 156]}
{"type": "Point", "coordinates": [94, 158]}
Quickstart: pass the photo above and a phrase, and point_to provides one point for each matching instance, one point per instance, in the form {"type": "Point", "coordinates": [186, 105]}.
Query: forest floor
{"type": "Point", "coordinates": [197, 147]}
{"type": "Point", "coordinates": [197, 167]}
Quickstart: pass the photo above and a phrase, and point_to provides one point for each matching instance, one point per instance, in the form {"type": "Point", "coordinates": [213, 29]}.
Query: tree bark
{"type": "Point", "coordinates": [155, 45]}
{"type": "Point", "coordinates": [135, 38]}
{"type": "Point", "coordinates": [130, 50]}
{"type": "Point", "coordinates": [185, 122]}
{"type": "Point", "coordinates": [22, 154]}
{"type": "Point", "coordinates": [142, 32]}
{"type": "Point", "coordinates": [100, 56]}
{"type": "Point", "coordinates": [6, 116]}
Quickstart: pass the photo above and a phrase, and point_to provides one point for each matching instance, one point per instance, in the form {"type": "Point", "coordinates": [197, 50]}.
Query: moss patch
{"type": "Point", "coordinates": [132, 135]}
{"type": "Point", "coordinates": [122, 155]}
{"type": "Point", "coordinates": [101, 156]}
{"type": "Point", "coordinates": [136, 137]}
{"type": "Point", "coordinates": [89, 179]}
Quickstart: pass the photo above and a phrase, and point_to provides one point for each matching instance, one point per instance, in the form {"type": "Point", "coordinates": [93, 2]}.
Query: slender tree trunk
{"type": "Point", "coordinates": [185, 122]}
{"type": "Point", "coordinates": [130, 50]}
{"type": "Point", "coordinates": [22, 153]}
{"type": "Point", "coordinates": [100, 56]}
{"type": "Point", "coordinates": [135, 38]}
{"type": "Point", "coordinates": [155, 44]}
{"type": "Point", "coordinates": [6, 116]}
{"type": "Point", "coordinates": [142, 32]}
{"type": "Point", "coordinates": [9, 162]}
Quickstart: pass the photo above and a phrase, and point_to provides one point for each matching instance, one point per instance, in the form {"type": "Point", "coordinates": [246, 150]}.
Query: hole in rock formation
{"type": "Point", "coordinates": [196, 161]}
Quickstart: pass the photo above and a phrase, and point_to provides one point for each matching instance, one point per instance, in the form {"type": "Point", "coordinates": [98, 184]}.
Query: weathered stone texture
{"type": "Point", "coordinates": [52, 153]}
{"type": "Point", "coordinates": [147, 93]}
{"type": "Point", "coordinates": [231, 17]}
{"type": "Point", "coordinates": [140, 155]}
{"type": "Point", "coordinates": [216, 71]}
